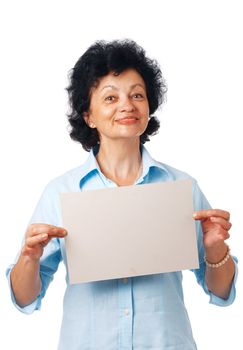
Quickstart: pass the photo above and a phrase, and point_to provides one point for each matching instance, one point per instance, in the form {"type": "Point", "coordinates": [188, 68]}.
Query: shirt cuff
{"type": "Point", "coordinates": [28, 309]}
{"type": "Point", "coordinates": [215, 300]}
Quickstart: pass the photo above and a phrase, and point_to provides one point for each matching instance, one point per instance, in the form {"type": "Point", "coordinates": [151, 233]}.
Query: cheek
{"type": "Point", "coordinates": [108, 112]}
{"type": "Point", "coordinates": [146, 114]}
{"type": "Point", "coordinates": [145, 124]}
{"type": "Point", "coordinates": [104, 112]}
{"type": "Point", "coordinates": [145, 110]}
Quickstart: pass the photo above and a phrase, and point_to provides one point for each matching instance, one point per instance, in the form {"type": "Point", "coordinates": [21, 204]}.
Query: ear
{"type": "Point", "coordinates": [88, 120]}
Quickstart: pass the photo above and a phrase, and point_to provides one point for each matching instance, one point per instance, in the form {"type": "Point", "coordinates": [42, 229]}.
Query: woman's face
{"type": "Point", "coordinates": [119, 106]}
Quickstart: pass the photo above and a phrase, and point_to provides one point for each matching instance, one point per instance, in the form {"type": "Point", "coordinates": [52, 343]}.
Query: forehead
{"type": "Point", "coordinates": [128, 78]}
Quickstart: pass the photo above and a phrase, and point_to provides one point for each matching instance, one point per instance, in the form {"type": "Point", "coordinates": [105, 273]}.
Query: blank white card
{"type": "Point", "coordinates": [129, 231]}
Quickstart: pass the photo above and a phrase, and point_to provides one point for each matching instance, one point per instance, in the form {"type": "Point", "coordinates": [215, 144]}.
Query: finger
{"type": "Point", "coordinates": [223, 235]}
{"type": "Point", "coordinates": [54, 231]}
{"type": "Point", "coordinates": [207, 213]}
{"type": "Point", "coordinates": [46, 241]}
{"type": "Point", "coordinates": [218, 234]}
{"type": "Point", "coordinates": [38, 239]}
{"type": "Point", "coordinates": [215, 241]}
{"type": "Point", "coordinates": [226, 225]}
{"type": "Point", "coordinates": [58, 232]}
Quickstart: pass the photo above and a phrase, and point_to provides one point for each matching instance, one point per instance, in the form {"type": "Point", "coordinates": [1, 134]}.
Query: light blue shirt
{"type": "Point", "coordinates": [145, 312]}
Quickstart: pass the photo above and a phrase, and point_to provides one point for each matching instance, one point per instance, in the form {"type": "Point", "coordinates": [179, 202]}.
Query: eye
{"type": "Point", "coordinates": [110, 98]}
{"type": "Point", "coordinates": [138, 96]}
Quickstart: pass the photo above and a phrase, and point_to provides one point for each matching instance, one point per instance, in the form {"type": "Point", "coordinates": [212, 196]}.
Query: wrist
{"type": "Point", "coordinates": [216, 253]}
{"type": "Point", "coordinates": [29, 260]}
{"type": "Point", "coordinates": [217, 263]}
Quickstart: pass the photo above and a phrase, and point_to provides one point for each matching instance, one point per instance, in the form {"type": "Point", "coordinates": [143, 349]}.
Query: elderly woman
{"type": "Point", "coordinates": [114, 91]}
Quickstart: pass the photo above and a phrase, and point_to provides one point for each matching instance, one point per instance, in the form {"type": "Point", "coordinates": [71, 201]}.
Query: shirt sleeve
{"type": "Point", "coordinates": [200, 202]}
{"type": "Point", "coordinates": [47, 211]}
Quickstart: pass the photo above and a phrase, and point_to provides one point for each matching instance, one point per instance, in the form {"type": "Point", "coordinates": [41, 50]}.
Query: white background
{"type": "Point", "coordinates": [198, 45]}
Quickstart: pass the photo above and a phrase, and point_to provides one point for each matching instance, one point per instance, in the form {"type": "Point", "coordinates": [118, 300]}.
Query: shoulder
{"type": "Point", "coordinates": [66, 182]}
{"type": "Point", "coordinates": [199, 199]}
{"type": "Point", "coordinates": [167, 172]}
{"type": "Point", "coordinates": [175, 173]}
{"type": "Point", "coordinates": [48, 207]}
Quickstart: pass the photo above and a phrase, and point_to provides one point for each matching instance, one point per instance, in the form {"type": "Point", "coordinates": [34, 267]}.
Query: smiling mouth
{"type": "Point", "coordinates": [127, 120]}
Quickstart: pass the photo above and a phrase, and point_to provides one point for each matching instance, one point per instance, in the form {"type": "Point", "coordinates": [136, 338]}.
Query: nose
{"type": "Point", "coordinates": [126, 105]}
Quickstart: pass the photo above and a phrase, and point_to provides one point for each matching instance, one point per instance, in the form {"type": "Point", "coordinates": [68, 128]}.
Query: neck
{"type": "Point", "coordinates": [120, 161]}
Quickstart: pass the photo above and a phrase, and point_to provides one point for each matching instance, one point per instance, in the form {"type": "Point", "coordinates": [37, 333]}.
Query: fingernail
{"type": "Point", "coordinates": [194, 215]}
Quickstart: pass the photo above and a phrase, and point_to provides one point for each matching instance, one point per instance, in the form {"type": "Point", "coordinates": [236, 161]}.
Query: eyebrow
{"type": "Point", "coordinates": [115, 88]}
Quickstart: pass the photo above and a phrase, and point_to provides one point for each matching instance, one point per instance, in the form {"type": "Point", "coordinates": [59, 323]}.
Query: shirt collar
{"type": "Point", "coordinates": [149, 162]}
{"type": "Point", "coordinates": [91, 164]}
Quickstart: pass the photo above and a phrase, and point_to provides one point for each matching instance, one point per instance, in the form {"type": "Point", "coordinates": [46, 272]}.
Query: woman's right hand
{"type": "Point", "coordinates": [38, 236]}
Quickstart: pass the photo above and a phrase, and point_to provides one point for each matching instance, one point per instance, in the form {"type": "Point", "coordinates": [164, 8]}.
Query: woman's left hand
{"type": "Point", "coordinates": [215, 226]}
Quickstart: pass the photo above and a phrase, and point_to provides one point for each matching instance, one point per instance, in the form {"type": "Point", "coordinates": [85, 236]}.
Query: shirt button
{"type": "Point", "coordinates": [125, 280]}
{"type": "Point", "coordinates": [127, 312]}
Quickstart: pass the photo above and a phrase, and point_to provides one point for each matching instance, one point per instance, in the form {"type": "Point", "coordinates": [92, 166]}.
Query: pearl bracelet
{"type": "Point", "coordinates": [220, 263]}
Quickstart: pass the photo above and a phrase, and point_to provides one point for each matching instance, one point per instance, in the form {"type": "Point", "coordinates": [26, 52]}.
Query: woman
{"type": "Point", "coordinates": [114, 91]}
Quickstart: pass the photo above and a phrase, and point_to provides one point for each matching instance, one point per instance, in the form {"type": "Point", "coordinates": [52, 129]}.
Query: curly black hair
{"type": "Point", "coordinates": [100, 59]}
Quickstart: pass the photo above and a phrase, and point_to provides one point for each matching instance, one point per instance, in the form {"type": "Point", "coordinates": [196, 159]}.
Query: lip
{"type": "Point", "coordinates": [127, 120]}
